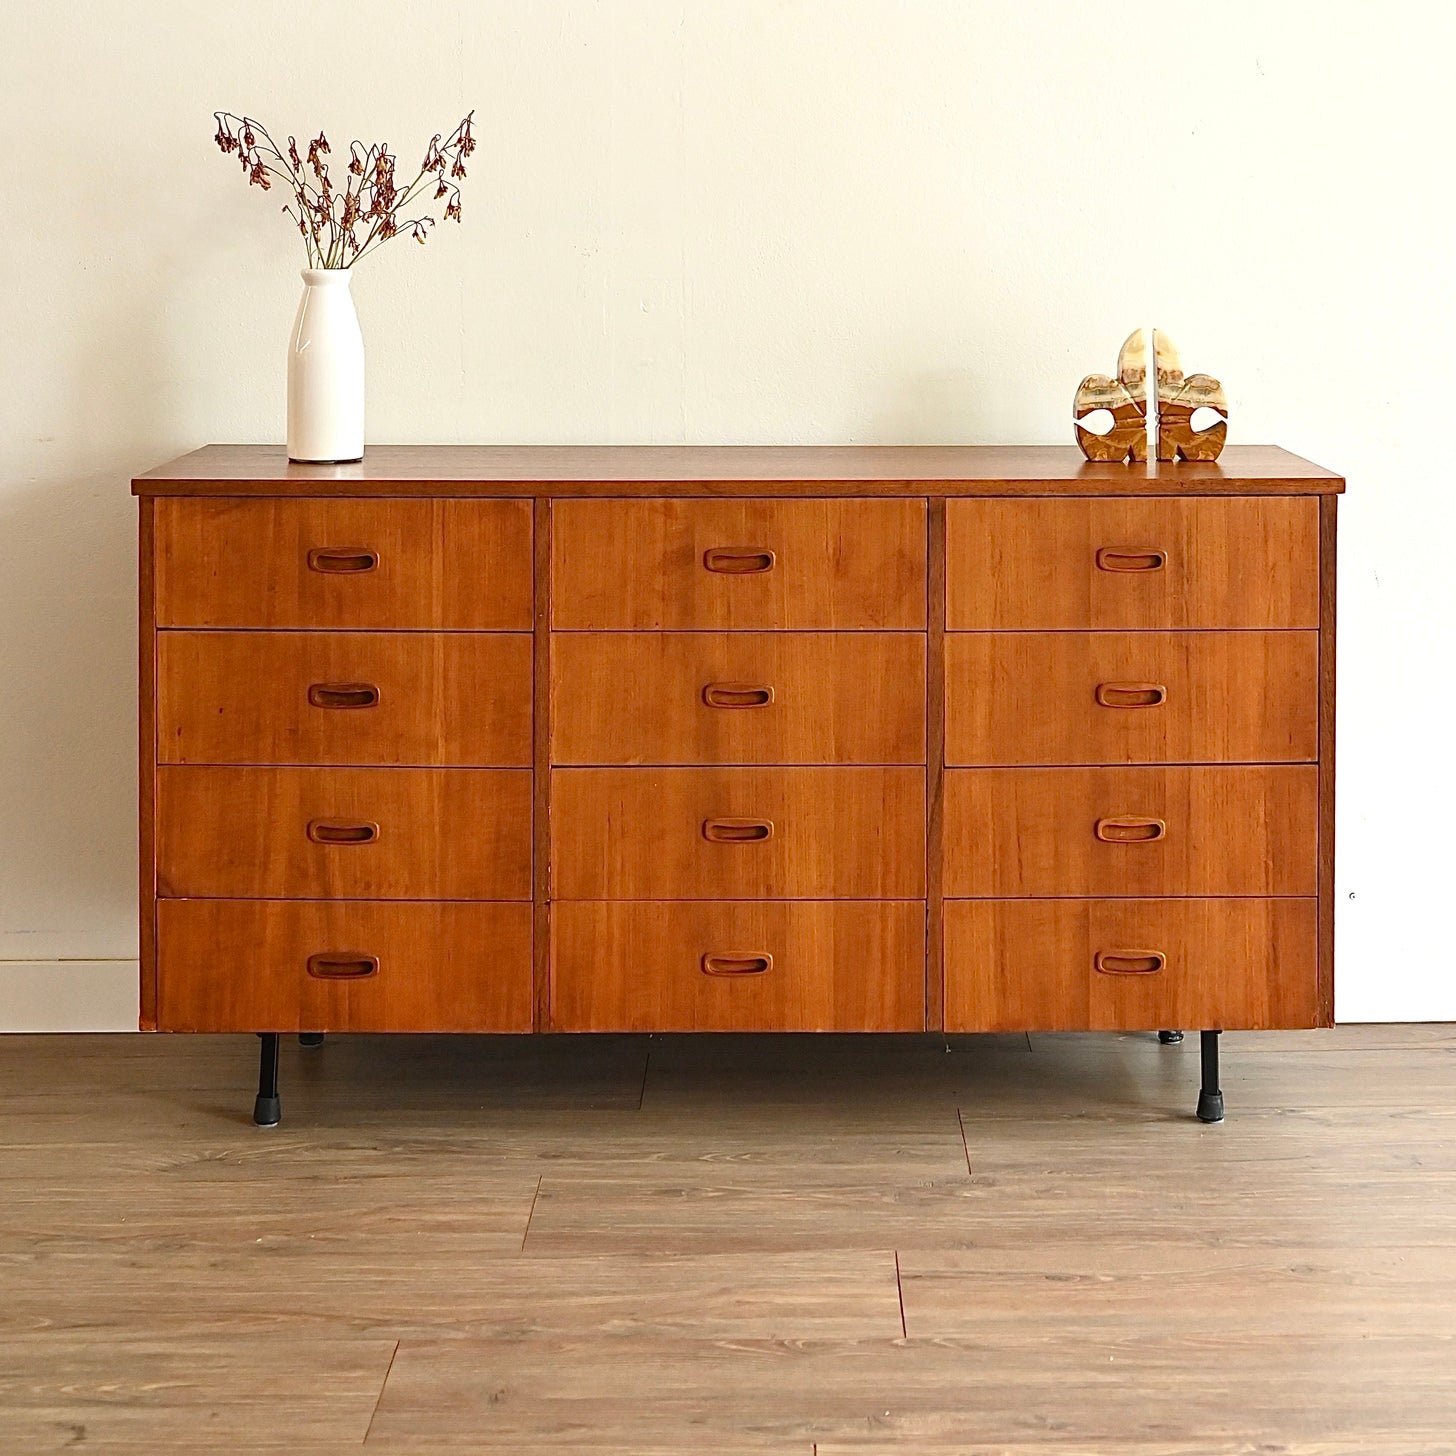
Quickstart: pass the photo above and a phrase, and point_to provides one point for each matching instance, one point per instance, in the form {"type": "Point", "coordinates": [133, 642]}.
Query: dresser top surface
{"type": "Point", "coordinates": [730, 470]}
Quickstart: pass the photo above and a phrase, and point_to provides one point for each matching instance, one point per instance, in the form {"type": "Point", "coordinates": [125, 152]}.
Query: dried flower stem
{"type": "Point", "coordinates": [330, 220]}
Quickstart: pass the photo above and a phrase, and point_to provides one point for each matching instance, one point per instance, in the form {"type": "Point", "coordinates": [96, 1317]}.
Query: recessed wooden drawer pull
{"type": "Point", "coordinates": [343, 695]}
{"type": "Point", "coordinates": [737, 963]}
{"type": "Point", "coordinates": [737, 831]}
{"type": "Point", "coordinates": [342, 560]}
{"type": "Point", "coordinates": [1130, 829]}
{"type": "Point", "coordinates": [1132, 695]}
{"type": "Point", "coordinates": [1110, 559]}
{"type": "Point", "coordinates": [738, 695]}
{"type": "Point", "coordinates": [1129, 962]}
{"type": "Point", "coordinates": [347, 965]}
{"type": "Point", "coordinates": [342, 831]}
{"type": "Point", "coordinates": [738, 560]}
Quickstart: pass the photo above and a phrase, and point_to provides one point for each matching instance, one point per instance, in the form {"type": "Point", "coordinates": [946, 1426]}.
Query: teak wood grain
{"type": "Point", "coordinates": [1032, 965]}
{"type": "Point", "coordinates": [723, 470]}
{"type": "Point", "coordinates": [344, 564]}
{"type": "Point", "coordinates": [541, 768]}
{"type": "Point", "coordinates": [443, 698]}
{"type": "Point", "coordinates": [934, 761]}
{"type": "Point", "coordinates": [1057, 698]}
{"type": "Point", "coordinates": [1145, 831]}
{"type": "Point", "coordinates": [344, 833]}
{"type": "Point", "coordinates": [803, 965]}
{"type": "Point", "coordinates": [808, 697]}
{"type": "Point", "coordinates": [738, 833]}
{"type": "Point", "coordinates": [1328, 569]}
{"type": "Point", "coordinates": [244, 965]}
{"type": "Point", "coordinates": [625, 687]}
{"type": "Point", "coordinates": [146, 768]}
{"type": "Point", "coordinates": [696, 564]}
{"type": "Point", "coordinates": [1018, 565]}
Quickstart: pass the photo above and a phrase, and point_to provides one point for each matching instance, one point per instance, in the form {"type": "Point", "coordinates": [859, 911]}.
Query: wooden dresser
{"type": "Point", "coordinates": [494, 739]}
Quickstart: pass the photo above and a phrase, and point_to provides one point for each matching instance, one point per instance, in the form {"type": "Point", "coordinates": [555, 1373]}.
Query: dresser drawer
{"type": "Point", "coordinates": [344, 833]}
{"type": "Point", "coordinates": [1129, 965]}
{"type": "Point", "coordinates": [1131, 831]}
{"type": "Point", "coordinates": [738, 697]}
{"type": "Point", "coordinates": [738, 833]}
{"type": "Point", "coordinates": [344, 564]}
{"type": "Point", "coordinates": [1131, 697]}
{"type": "Point", "coordinates": [635, 564]}
{"type": "Point", "coordinates": [745, 966]}
{"type": "Point", "coordinates": [280, 965]}
{"type": "Point", "coordinates": [344, 698]}
{"type": "Point", "coordinates": [1132, 563]}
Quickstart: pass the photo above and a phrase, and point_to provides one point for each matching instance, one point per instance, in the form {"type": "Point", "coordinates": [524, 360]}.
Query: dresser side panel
{"type": "Point", "coordinates": [146, 764]}
{"type": "Point", "coordinates": [1328, 562]}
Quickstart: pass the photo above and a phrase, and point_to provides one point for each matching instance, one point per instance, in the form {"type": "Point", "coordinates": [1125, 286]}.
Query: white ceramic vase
{"type": "Point", "coordinates": [326, 371]}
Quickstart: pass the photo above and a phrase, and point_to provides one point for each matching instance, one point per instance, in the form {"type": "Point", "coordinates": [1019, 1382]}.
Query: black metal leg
{"type": "Point", "coordinates": [310, 1038]}
{"type": "Point", "coordinates": [1170, 1038]}
{"type": "Point", "coordinates": [267, 1110]}
{"type": "Point", "coordinates": [1210, 1095]}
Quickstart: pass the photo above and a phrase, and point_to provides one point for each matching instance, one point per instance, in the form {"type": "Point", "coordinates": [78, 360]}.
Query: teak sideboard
{"type": "Point", "coordinates": [555, 739]}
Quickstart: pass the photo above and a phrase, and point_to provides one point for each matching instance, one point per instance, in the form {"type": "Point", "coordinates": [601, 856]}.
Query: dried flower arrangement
{"type": "Point", "coordinates": [371, 201]}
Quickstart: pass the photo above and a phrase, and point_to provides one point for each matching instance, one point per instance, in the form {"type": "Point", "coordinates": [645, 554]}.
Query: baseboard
{"type": "Point", "coordinates": [68, 996]}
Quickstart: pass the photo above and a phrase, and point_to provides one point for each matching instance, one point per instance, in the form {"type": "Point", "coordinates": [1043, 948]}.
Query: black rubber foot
{"type": "Point", "coordinates": [1170, 1038]}
{"type": "Point", "coordinates": [310, 1038]}
{"type": "Point", "coordinates": [268, 1111]}
{"type": "Point", "coordinates": [1210, 1107]}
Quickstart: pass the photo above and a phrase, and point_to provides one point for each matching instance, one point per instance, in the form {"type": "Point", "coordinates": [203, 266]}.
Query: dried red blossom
{"type": "Point", "coordinates": [328, 219]}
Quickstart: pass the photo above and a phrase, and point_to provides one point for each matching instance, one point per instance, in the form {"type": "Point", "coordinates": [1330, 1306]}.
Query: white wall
{"type": "Point", "coordinates": [752, 220]}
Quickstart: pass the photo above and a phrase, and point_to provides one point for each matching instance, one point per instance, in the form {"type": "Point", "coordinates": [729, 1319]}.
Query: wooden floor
{"type": "Point", "coordinates": [1022, 1246]}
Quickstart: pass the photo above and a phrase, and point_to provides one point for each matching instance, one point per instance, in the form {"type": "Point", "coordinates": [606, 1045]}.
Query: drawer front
{"type": "Point", "coordinates": [344, 833]}
{"type": "Point", "coordinates": [280, 965]}
{"type": "Point", "coordinates": [1020, 565]}
{"type": "Point", "coordinates": [1131, 831]}
{"type": "Point", "coordinates": [644, 564]}
{"type": "Point", "coordinates": [738, 697]}
{"type": "Point", "coordinates": [344, 698]}
{"type": "Point", "coordinates": [1129, 965]}
{"type": "Point", "coordinates": [1131, 697]}
{"type": "Point", "coordinates": [344, 564]}
{"type": "Point", "coordinates": [738, 833]}
{"type": "Point", "coordinates": [745, 966]}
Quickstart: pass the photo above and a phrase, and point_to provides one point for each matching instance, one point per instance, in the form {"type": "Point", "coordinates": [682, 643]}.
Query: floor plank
{"type": "Point", "coordinates": [1055, 1446]}
{"type": "Point", "coordinates": [1031, 1385]}
{"type": "Point", "coordinates": [64, 1392]}
{"type": "Point", "coordinates": [687, 1215]}
{"type": "Point", "coordinates": [1168, 1289]}
{"type": "Point", "coordinates": [408, 1288]}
